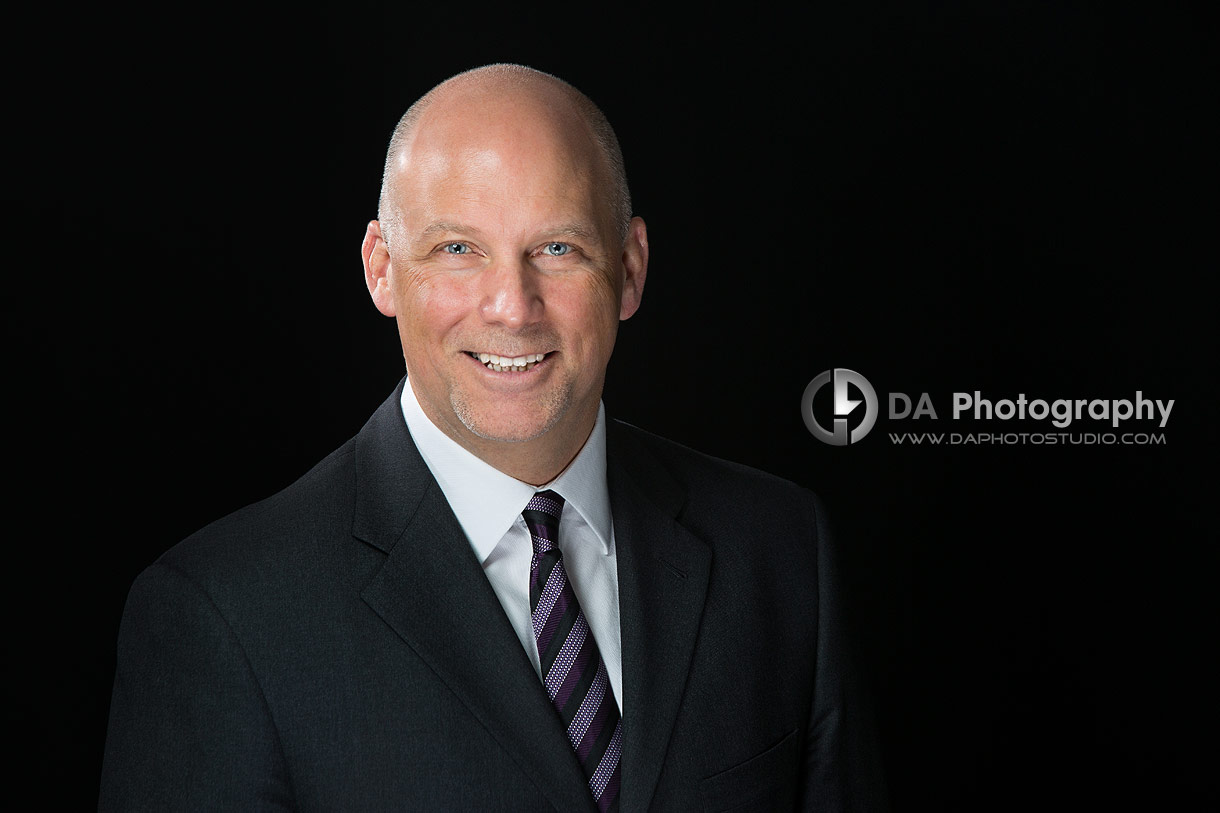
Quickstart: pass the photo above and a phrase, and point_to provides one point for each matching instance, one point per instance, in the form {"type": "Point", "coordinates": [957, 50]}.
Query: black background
{"type": "Point", "coordinates": [1009, 197]}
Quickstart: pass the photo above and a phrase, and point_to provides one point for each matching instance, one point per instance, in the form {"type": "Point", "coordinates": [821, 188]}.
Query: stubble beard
{"type": "Point", "coordinates": [554, 406]}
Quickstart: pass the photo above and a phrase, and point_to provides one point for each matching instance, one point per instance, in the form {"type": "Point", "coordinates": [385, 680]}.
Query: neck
{"type": "Point", "coordinates": [526, 464]}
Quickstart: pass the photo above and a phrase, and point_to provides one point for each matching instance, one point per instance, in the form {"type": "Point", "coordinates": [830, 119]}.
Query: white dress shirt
{"type": "Point", "coordinates": [488, 504]}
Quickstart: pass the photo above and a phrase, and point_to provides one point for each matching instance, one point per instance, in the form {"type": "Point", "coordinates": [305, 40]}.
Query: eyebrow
{"type": "Point", "coordinates": [573, 229]}
{"type": "Point", "coordinates": [442, 227]}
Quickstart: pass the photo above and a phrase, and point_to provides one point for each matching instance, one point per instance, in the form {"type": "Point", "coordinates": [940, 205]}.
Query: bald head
{"type": "Point", "coordinates": [501, 97]}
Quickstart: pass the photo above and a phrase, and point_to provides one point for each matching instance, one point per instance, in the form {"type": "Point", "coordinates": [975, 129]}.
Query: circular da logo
{"type": "Point", "coordinates": [843, 406]}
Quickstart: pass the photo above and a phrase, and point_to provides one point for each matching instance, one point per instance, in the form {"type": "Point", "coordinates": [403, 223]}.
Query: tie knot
{"type": "Point", "coordinates": [541, 516]}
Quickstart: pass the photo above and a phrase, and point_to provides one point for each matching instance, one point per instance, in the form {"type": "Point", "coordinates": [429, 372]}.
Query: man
{"type": "Point", "coordinates": [493, 597]}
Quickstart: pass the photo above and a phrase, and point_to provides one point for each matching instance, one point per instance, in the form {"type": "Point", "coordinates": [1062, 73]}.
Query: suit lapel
{"type": "Point", "coordinates": [663, 573]}
{"type": "Point", "coordinates": [432, 592]}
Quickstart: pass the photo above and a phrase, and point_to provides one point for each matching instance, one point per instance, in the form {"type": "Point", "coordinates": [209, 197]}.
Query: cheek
{"type": "Point", "coordinates": [591, 310]}
{"type": "Point", "coordinates": [428, 303]}
{"type": "Point", "coordinates": [606, 297]}
{"type": "Point", "coordinates": [599, 293]}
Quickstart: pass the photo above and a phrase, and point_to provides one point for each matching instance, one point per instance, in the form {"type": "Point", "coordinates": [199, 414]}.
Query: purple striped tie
{"type": "Point", "coordinates": [572, 667]}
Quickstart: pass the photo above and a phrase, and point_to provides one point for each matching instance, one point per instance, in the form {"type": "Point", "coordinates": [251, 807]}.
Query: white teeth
{"type": "Point", "coordinates": [507, 363]}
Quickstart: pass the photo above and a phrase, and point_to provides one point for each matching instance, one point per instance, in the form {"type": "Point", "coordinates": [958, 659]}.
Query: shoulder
{"type": "Point", "coordinates": [693, 467]}
{"type": "Point", "coordinates": [768, 537]}
{"type": "Point", "coordinates": [272, 543]}
{"type": "Point", "coordinates": [713, 487]}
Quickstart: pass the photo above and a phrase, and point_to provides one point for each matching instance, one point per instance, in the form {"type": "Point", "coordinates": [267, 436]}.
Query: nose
{"type": "Point", "coordinates": [511, 295]}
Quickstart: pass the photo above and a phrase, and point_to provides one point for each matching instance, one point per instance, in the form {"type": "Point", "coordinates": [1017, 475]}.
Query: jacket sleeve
{"type": "Point", "coordinates": [189, 726]}
{"type": "Point", "coordinates": [842, 763]}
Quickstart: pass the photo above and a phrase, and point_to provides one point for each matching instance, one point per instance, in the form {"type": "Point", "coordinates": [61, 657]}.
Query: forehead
{"type": "Point", "coordinates": [507, 156]}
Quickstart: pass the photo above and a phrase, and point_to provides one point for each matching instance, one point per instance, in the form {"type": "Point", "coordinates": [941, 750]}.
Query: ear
{"type": "Point", "coordinates": [377, 267]}
{"type": "Point", "coordinates": [635, 267]}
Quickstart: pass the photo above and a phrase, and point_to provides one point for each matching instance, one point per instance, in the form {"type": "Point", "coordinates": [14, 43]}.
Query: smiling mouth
{"type": "Point", "coordinates": [508, 364]}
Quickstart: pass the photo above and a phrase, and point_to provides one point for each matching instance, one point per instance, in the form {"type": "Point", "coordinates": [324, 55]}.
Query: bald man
{"type": "Point", "coordinates": [493, 597]}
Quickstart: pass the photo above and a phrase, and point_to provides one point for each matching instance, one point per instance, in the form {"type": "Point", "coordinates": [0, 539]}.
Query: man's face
{"type": "Point", "coordinates": [505, 249]}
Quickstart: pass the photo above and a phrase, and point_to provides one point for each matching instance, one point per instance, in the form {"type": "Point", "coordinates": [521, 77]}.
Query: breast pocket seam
{"type": "Point", "coordinates": [744, 783]}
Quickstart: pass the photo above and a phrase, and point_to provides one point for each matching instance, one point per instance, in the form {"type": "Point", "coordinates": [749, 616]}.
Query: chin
{"type": "Point", "coordinates": [507, 427]}
{"type": "Point", "coordinates": [495, 430]}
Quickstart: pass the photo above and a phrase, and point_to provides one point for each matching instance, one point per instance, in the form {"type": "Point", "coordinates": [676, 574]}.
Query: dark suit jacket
{"type": "Point", "coordinates": [337, 647]}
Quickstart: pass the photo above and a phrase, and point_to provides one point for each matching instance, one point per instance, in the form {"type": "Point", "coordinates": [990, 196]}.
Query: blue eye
{"type": "Point", "coordinates": [557, 249]}
{"type": "Point", "coordinates": [457, 248]}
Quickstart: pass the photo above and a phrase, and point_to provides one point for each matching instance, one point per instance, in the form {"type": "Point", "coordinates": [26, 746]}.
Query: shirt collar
{"type": "Point", "coordinates": [487, 501]}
